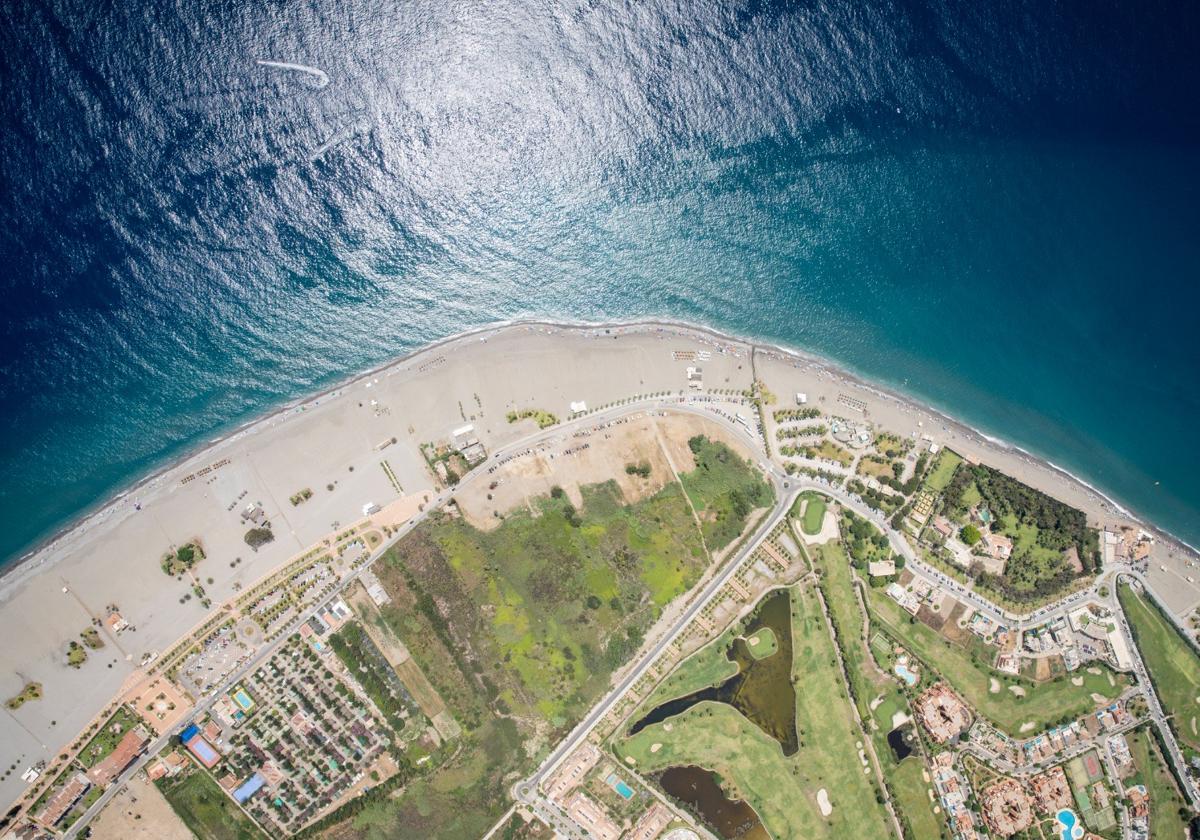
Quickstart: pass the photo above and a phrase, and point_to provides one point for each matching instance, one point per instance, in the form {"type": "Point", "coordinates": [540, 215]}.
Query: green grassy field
{"type": "Point", "coordinates": [1165, 798]}
{"type": "Point", "coordinates": [1173, 665]}
{"type": "Point", "coordinates": [1044, 704]}
{"type": "Point", "coordinates": [942, 470]}
{"type": "Point", "coordinates": [723, 488]}
{"type": "Point", "coordinates": [912, 795]}
{"type": "Point", "coordinates": [560, 598]}
{"type": "Point", "coordinates": [763, 643]}
{"type": "Point", "coordinates": [206, 809]}
{"type": "Point", "coordinates": [874, 688]}
{"type": "Point", "coordinates": [814, 513]}
{"type": "Point", "coordinates": [782, 790]}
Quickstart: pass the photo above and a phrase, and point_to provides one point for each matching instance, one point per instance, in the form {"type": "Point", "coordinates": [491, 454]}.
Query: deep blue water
{"type": "Point", "coordinates": [993, 205]}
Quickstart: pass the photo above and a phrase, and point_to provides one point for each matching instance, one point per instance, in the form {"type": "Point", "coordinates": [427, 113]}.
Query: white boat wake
{"type": "Point", "coordinates": [348, 133]}
{"type": "Point", "coordinates": [320, 74]}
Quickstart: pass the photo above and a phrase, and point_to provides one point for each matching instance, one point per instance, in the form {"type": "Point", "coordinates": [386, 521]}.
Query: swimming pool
{"type": "Point", "coordinates": [243, 699]}
{"type": "Point", "coordinates": [625, 791]}
{"type": "Point", "coordinates": [908, 676]}
{"type": "Point", "coordinates": [1071, 830]}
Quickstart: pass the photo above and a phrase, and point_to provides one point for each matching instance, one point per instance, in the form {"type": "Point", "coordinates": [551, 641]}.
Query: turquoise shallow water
{"type": "Point", "coordinates": [993, 210]}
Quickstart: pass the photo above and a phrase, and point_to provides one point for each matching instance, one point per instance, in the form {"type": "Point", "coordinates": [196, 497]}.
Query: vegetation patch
{"type": "Point", "coordinates": [256, 538]}
{"type": "Point", "coordinates": [182, 559]}
{"type": "Point", "coordinates": [544, 419]}
{"type": "Point", "coordinates": [724, 489]}
{"type": "Point", "coordinates": [1052, 543]}
{"type": "Point", "coordinates": [76, 654]}
{"type": "Point", "coordinates": [301, 497]}
{"type": "Point", "coordinates": [91, 638]}
{"type": "Point", "coordinates": [30, 691]}
{"type": "Point", "coordinates": [206, 810]}
{"type": "Point", "coordinates": [359, 654]}
{"type": "Point", "coordinates": [912, 795]}
{"type": "Point", "coordinates": [640, 469]}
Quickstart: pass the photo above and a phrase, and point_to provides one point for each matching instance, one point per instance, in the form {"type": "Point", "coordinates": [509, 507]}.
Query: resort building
{"type": "Point", "coordinates": [943, 713]}
{"type": "Point", "coordinates": [588, 814]}
{"type": "Point", "coordinates": [651, 823]}
{"type": "Point", "coordinates": [1051, 791]}
{"type": "Point", "coordinates": [1006, 808]}
{"type": "Point", "coordinates": [571, 772]}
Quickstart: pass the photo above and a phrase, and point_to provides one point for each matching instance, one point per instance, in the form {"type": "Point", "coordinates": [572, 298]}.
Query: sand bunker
{"type": "Point", "coordinates": [1028, 726]}
{"type": "Point", "coordinates": [667, 727]}
{"type": "Point", "coordinates": [993, 685]}
{"type": "Point", "coordinates": [823, 802]}
{"type": "Point", "coordinates": [1095, 671]}
{"type": "Point", "coordinates": [1017, 690]}
{"type": "Point", "coordinates": [1099, 698]}
{"type": "Point", "coordinates": [875, 703]}
{"type": "Point", "coordinates": [655, 747]}
{"type": "Point", "coordinates": [630, 760]}
{"type": "Point", "coordinates": [899, 719]}
{"type": "Point", "coordinates": [1076, 680]}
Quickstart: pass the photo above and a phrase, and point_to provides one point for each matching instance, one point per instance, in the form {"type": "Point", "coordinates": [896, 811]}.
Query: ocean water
{"type": "Point", "coordinates": [991, 205]}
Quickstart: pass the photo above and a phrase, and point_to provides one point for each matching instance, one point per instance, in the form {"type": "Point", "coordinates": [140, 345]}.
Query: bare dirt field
{"type": "Point", "coordinates": [598, 455]}
{"type": "Point", "coordinates": [950, 629]}
{"type": "Point", "coordinates": [139, 812]}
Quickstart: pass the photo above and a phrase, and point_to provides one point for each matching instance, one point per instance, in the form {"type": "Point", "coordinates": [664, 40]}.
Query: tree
{"type": "Point", "coordinates": [970, 535]}
{"type": "Point", "coordinates": [257, 537]}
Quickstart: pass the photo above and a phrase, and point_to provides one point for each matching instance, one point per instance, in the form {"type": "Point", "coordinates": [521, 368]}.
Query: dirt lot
{"type": "Point", "coordinates": [950, 629]}
{"type": "Point", "coordinates": [139, 812]}
{"type": "Point", "coordinates": [565, 462]}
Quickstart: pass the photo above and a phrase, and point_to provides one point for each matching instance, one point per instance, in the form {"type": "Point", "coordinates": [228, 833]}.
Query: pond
{"type": "Point", "coordinates": [762, 689]}
{"type": "Point", "coordinates": [901, 741]}
{"type": "Point", "coordinates": [700, 791]}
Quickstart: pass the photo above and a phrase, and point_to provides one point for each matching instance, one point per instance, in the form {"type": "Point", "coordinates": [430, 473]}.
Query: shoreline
{"type": "Point", "coordinates": [18, 567]}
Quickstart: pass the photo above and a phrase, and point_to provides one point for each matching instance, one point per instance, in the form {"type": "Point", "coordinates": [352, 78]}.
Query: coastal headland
{"type": "Point", "coordinates": [345, 471]}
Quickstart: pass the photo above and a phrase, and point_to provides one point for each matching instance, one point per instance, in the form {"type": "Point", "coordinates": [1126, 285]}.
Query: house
{"type": "Point", "coordinates": [998, 545]}
{"type": "Point", "coordinates": [63, 801]}
{"type": "Point", "coordinates": [881, 568]}
{"type": "Point", "coordinates": [115, 622]}
{"type": "Point", "coordinates": [942, 525]}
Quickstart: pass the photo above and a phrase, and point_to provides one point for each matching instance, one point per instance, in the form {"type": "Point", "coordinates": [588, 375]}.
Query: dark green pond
{"type": "Point", "coordinates": [762, 689]}
{"type": "Point", "coordinates": [699, 790]}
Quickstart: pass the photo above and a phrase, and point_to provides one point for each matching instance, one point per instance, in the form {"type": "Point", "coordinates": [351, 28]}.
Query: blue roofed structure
{"type": "Point", "coordinates": [248, 788]}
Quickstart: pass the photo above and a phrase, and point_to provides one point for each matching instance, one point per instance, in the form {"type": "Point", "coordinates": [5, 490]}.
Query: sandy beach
{"type": "Point", "coordinates": [358, 446]}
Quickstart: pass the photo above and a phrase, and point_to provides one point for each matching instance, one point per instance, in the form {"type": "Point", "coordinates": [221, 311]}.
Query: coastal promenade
{"type": "Point", "coordinates": [340, 440]}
